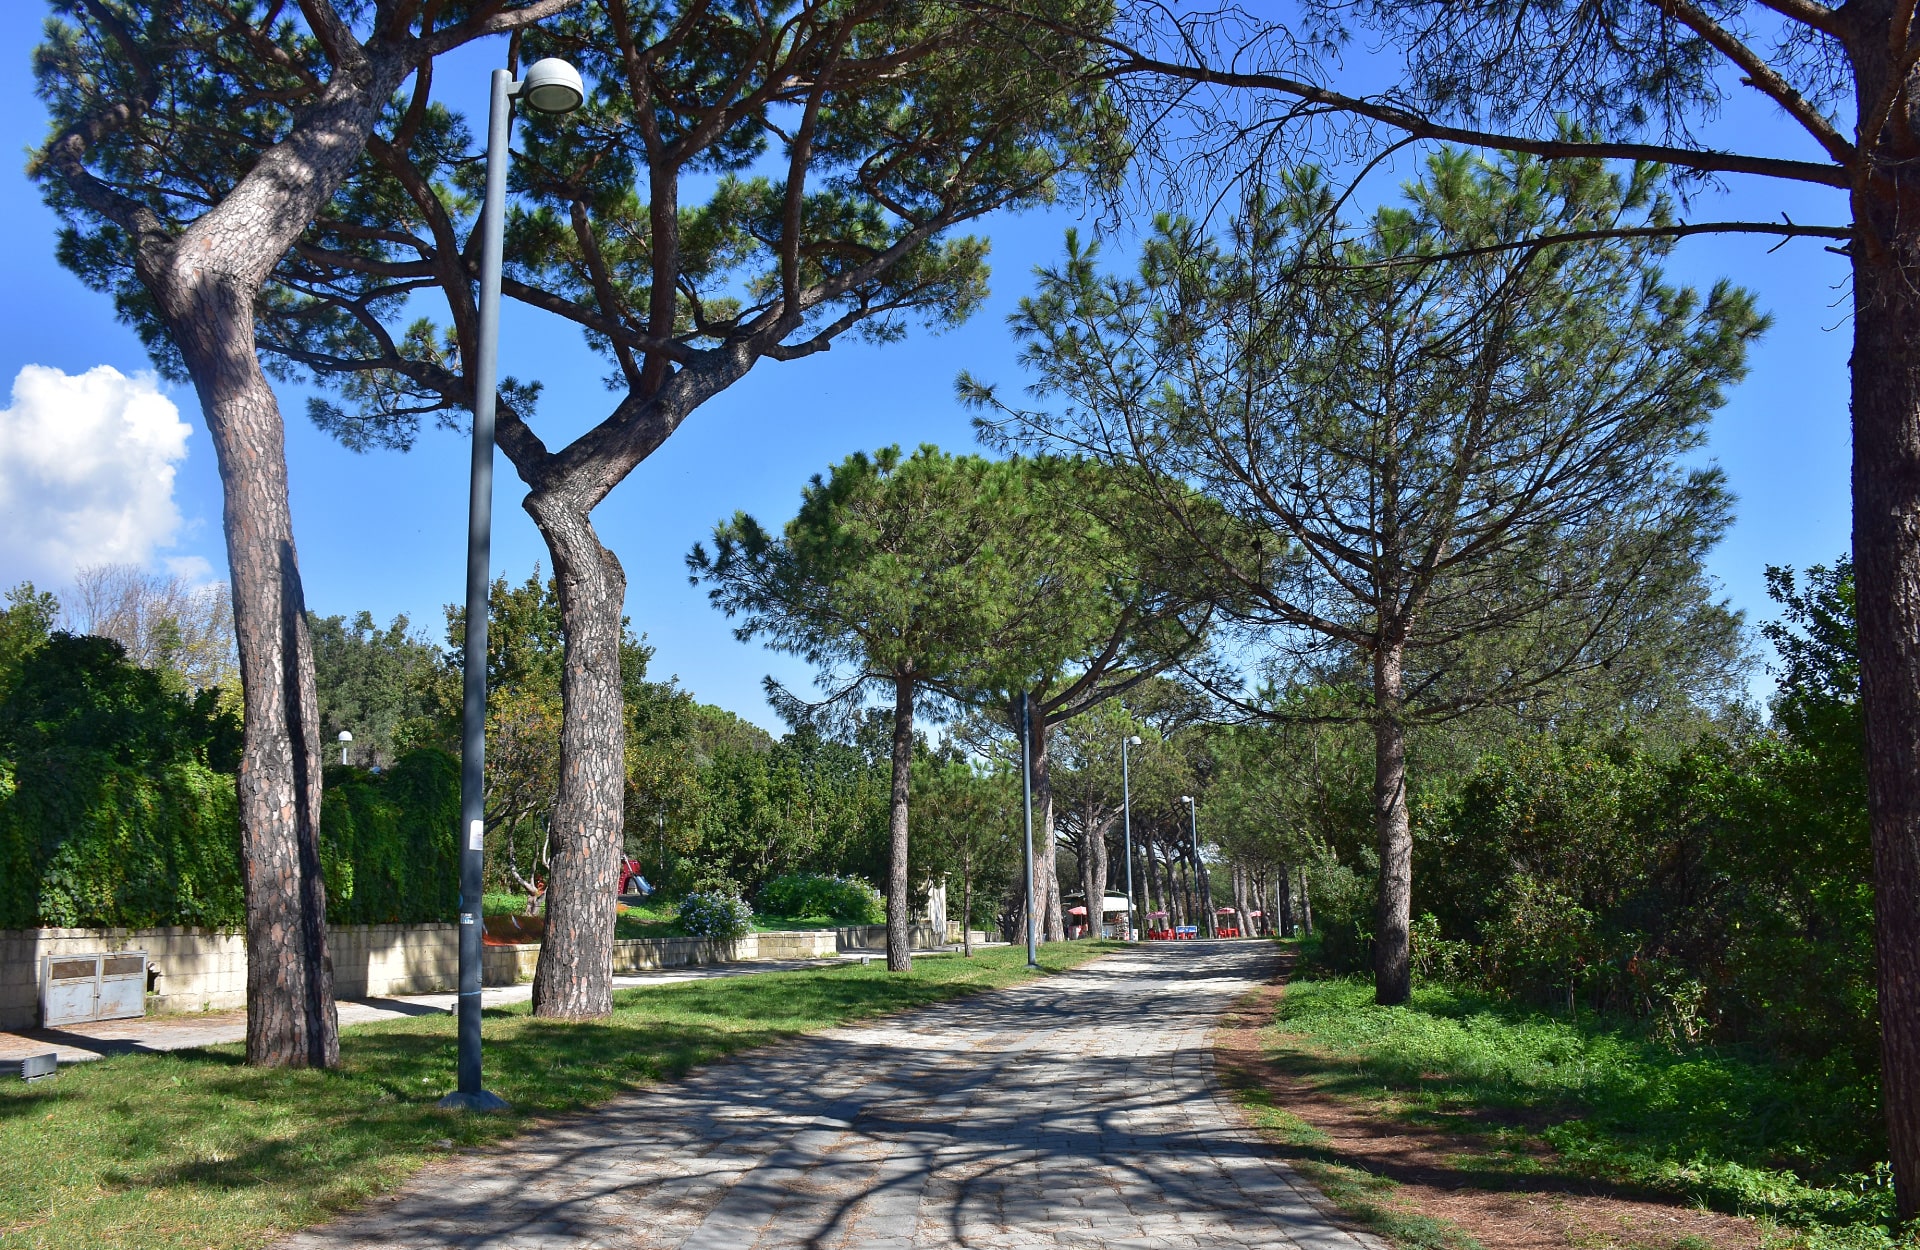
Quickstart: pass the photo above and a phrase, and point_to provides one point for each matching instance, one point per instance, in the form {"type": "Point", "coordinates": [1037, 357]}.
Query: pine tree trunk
{"type": "Point", "coordinates": [1283, 900]}
{"type": "Point", "coordinates": [1206, 895]}
{"type": "Point", "coordinates": [1046, 856]}
{"type": "Point", "coordinates": [1097, 893]}
{"type": "Point", "coordinates": [966, 904]}
{"type": "Point", "coordinates": [1886, 552]}
{"type": "Point", "coordinates": [291, 1020]}
{"type": "Point", "coordinates": [1393, 832]}
{"type": "Point", "coordinates": [574, 978]}
{"type": "Point", "coordinates": [899, 920]}
{"type": "Point", "coordinates": [1306, 907]}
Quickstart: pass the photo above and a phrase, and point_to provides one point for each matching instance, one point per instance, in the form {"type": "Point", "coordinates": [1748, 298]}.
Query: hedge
{"type": "Point", "coordinates": [389, 842]}
{"type": "Point", "coordinates": [90, 841]}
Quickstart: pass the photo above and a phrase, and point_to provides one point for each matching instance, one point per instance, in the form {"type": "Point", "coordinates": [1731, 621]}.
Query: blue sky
{"type": "Point", "coordinates": [384, 531]}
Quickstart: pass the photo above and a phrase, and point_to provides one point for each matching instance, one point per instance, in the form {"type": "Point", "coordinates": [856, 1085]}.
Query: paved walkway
{"type": "Point", "coordinates": [1079, 1110]}
{"type": "Point", "coordinates": [185, 1030]}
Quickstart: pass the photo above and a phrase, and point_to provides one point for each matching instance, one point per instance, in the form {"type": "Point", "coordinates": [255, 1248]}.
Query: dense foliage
{"type": "Point", "coordinates": [117, 804]}
{"type": "Point", "coordinates": [823, 896]}
{"type": "Point", "coordinates": [389, 841]}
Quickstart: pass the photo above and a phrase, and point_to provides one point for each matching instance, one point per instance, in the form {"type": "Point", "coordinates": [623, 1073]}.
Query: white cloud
{"type": "Point", "coordinates": [86, 472]}
{"type": "Point", "coordinates": [193, 569]}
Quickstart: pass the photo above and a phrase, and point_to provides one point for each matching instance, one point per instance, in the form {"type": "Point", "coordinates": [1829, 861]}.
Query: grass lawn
{"type": "Point", "coordinates": [1720, 1127]}
{"type": "Point", "coordinates": [194, 1149]}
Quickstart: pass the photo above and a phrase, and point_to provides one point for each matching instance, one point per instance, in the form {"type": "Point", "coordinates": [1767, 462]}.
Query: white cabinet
{"type": "Point", "coordinates": [77, 988]}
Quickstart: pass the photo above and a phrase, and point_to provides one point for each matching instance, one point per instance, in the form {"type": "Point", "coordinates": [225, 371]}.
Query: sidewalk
{"type": "Point", "coordinates": [184, 1031]}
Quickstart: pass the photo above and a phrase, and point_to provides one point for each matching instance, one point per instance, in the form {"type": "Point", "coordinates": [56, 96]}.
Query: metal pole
{"type": "Point", "coordinates": [1026, 789]}
{"type": "Point", "coordinates": [1200, 899]}
{"type": "Point", "coordinates": [1126, 826]}
{"type": "Point", "coordinates": [473, 743]}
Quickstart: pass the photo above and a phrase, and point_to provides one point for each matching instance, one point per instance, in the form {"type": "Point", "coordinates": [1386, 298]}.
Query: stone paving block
{"type": "Point", "coordinates": [1078, 1111]}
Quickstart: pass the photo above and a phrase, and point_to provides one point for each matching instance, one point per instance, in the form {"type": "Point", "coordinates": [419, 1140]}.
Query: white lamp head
{"type": "Point", "coordinates": [1186, 798]}
{"type": "Point", "coordinates": [552, 86]}
{"type": "Point", "coordinates": [1135, 740]}
{"type": "Point", "coordinates": [345, 736]}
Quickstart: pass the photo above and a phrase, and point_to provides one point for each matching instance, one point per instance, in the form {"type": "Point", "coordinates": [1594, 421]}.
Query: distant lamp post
{"type": "Point", "coordinates": [550, 86]}
{"type": "Point", "coordinates": [1126, 826]}
{"type": "Point", "coordinates": [345, 739]}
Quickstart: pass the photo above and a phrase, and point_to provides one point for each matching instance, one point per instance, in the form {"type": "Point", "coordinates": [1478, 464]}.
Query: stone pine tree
{"type": "Point", "coordinates": [1464, 477]}
{"type": "Point", "coordinates": [192, 142]}
{"type": "Point", "coordinates": [1105, 600]}
{"type": "Point", "coordinates": [1643, 78]}
{"type": "Point", "coordinates": [896, 571]}
{"type": "Point", "coordinates": [744, 183]}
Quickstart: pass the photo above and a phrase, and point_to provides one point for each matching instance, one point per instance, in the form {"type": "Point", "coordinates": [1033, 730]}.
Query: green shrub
{"type": "Point", "coordinates": [389, 842]}
{"type": "Point", "coordinates": [813, 895]}
{"type": "Point", "coordinates": [116, 807]}
{"type": "Point", "coordinates": [710, 914]}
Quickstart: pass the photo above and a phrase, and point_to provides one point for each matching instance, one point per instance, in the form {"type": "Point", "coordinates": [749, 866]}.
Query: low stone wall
{"type": "Point", "coordinates": [206, 970]}
{"type": "Point", "coordinates": [514, 964]}
{"type": "Point", "coordinates": [798, 944]}
{"type": "Point", "coordinates": [873, 937]}
{"type": "Point", "coordinates": [373, 960]}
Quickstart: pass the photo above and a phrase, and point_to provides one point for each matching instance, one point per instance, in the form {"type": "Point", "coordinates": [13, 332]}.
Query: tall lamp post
{"type": "Point", "coordinates": [1026, 792]}
{"type": "Point", "coordinates": [550, 86]}
{"type": "Point", "coordinates": [1201, 894]}
{"type": "Point", "coordinates": [1126, 826]}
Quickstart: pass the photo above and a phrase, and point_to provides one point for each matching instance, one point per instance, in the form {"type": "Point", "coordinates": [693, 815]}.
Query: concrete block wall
{"type": "Point", "coordinates": [206, 970]}
{"type": "Point", "coordinates": [193, 969]}
{"type": "Point", "coordinates": [868, 937]}
{"type": "Point", "coordinates": [798, 944]}
{"type": "Point", "coordinates": [374, 960]}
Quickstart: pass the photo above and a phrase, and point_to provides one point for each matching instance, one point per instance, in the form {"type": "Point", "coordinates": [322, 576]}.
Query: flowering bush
{"type": "Point", "coordinates": [711, 914]}
{"type": "Point", "coordinates": [817, 895]}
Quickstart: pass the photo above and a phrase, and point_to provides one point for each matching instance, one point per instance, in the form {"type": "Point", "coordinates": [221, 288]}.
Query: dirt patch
{"type": "Point", "coordinates": [1489, 1189]}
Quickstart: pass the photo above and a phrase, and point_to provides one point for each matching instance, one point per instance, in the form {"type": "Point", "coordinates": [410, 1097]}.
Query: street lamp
{"type": "Point", "coordinates": [550, 86]}
{"type": "Point", "coordinates": [345, 738]}
{"type": "Point", "coordinates": [1199, 872]}
{"type": "Point", "coordinates": [1026, 791]}
{"type": "Point", "coordinates": [1126, 825]}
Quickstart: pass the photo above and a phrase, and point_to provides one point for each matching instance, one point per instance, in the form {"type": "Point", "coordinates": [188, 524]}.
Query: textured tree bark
{"type": "Point", "coordinates": [899, 918]}
{"type": "Point", "coordinates": [1047, 853]}
{"type": "Point", "coordinates": [1392, 932]}
{"type": "Point", "coordinates": [1283, 900]}
{"type": "Point", "coordinates": [966, 903]}
{"type": "Point", "coordinates": [1212, 922]}
{"type": "Point", "coordinates": [1886, 551]}
{"type": "Point", "coordinates": [291, 1021]}
{"type": "Point", "coordinates": [1097, 895]}
{"type": "Point", "coordinates": [1306, 907]}
{"type": "Point", "coordinates": [574, 978]}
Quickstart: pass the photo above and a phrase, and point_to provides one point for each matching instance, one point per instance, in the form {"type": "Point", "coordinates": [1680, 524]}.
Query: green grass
{"type": "Point", "coordinates": [1360, 1195]}
{"type": "Point", "coordinates": [194, 1149]}
{"type": "Point", "coordinates": [1719, 1127]}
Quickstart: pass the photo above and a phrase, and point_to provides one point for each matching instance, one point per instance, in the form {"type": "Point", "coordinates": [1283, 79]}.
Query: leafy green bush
{"type": "Point", "coordinates": [389, 841]}
{"type": "Point", "coordinates": [813, 895]}
{"type": "Point", "coordinates": [115, 804]}
{"type": "Point", "coordinates": [710, 914]}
